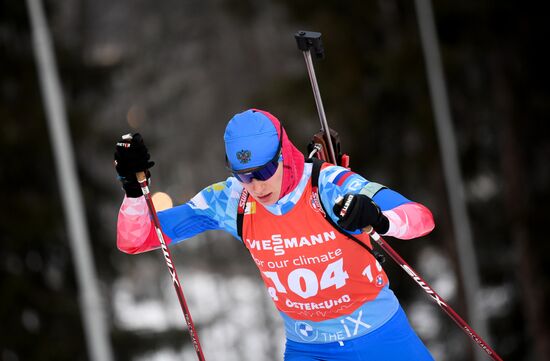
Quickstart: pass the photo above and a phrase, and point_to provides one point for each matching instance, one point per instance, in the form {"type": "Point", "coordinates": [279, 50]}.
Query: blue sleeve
{"type": "Point", "coordinates": [183, 222]}
{"type": "Point", "coordinates": [213, 208]}
{"type": "Point", "coordinates": [337, 181]}
{"type": "Point", "coordinates": [389, 199]}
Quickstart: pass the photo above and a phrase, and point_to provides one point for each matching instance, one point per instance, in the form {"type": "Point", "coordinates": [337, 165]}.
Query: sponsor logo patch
{"type": "Point", "coordinates": [315, 203]}
{"type": "Point", "coordinates": [379, 281]}
{"type": "Point", "coordinates": [305, 331]}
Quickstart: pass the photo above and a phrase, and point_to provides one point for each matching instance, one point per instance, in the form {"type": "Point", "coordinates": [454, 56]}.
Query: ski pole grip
{"type": "Point", "coordinates": [141, 176]}
{"type": "Point", "coordinates": [368, 229]}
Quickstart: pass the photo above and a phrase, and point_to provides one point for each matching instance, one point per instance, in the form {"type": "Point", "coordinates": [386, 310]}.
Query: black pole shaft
{"type": "Point", "coordinates": [171, 266]}
{"type": "Point", "coordinates": [430, 291]}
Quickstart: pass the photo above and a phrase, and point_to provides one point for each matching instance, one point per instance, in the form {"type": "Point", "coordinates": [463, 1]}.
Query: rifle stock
{"type": "Point", "coordinates": [319, 142]}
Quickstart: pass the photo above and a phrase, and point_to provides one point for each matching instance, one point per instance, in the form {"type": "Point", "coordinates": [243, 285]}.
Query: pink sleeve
{"type": "Point", "coordinates": [135, 231]}
{"type": "Point", "coordinates": [409, 220]}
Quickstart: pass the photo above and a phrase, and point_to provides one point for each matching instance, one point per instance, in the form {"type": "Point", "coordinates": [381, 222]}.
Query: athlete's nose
{"type": "Point", "coordinates": [257, 186]}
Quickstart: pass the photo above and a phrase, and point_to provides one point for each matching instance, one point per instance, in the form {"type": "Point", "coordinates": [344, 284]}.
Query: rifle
{"type": "Point", "coordinates": [325, 144]}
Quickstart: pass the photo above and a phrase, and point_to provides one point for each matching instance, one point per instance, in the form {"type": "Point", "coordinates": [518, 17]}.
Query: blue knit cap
{"type": "Point", "coordinates": [251, 140]}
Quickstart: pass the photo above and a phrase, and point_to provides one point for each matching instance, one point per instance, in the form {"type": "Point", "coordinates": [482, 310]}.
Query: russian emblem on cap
{"type": "Point", "coordinates": [244, 156]}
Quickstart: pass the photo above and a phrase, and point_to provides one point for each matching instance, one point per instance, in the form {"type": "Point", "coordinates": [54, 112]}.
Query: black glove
{"type": "Point", "coordinates": [356, 211]}
{"type": "Point", "coordinates": [131, 157]}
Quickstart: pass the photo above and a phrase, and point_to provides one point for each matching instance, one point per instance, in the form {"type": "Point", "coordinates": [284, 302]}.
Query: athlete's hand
{"type": "Point", "coordinates": [357, 211]}
{"type": "Point", "coordinates": [131, 157]}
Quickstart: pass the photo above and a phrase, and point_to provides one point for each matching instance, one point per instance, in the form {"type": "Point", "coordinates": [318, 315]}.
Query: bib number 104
{"type": "Point", "coordinates": [305, 283]}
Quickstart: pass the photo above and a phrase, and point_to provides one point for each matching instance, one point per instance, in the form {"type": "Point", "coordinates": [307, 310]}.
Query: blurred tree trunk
{"type": "Point", "coordinates": [518, 201]}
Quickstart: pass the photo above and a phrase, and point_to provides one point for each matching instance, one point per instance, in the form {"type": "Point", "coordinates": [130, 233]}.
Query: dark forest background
{"type": "Point", "coordinates": [176, 71]}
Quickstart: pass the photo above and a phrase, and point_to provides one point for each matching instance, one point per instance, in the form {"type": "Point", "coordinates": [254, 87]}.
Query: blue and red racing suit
{"type": "Point", "coordinates": [326, 287]}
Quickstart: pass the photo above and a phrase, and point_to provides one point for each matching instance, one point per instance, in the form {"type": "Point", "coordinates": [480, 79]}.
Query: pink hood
{"type": "Point", "coordinates": [293, 159]}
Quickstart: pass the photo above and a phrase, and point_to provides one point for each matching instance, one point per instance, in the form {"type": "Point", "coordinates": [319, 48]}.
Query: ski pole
{"type": "Point", "coordinates": [142, 179]}
{"type": "Point", "coordinates": [430, 291]}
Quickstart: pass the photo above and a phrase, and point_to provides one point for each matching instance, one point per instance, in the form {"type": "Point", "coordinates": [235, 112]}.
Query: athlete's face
{"type": "Point", "coordinates": [266, 192]}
